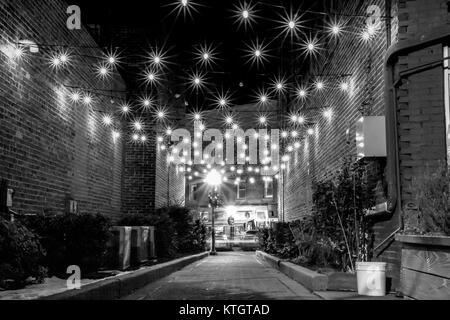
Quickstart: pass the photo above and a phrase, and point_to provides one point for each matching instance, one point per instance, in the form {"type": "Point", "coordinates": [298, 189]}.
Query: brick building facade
{"type": "Point", "coordinates": [54, 150]}
{"type": "Point", "coordinates": [372, 68]}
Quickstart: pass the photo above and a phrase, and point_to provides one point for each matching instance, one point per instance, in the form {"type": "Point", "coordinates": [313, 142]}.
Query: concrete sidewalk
{"type": "Point", "coordinates": [227, 276]}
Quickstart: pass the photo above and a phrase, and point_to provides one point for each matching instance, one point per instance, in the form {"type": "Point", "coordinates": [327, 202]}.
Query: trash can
{"type": "Point", "coordinates": [120, 247]}
{"type": "Point", "coordinates": [139, 245]}
{"type": "Point", "coordinates": [371, 278]}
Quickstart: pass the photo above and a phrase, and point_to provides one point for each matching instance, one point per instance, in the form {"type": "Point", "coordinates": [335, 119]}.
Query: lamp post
{"type": "Point", "coordinates": [213, 179]}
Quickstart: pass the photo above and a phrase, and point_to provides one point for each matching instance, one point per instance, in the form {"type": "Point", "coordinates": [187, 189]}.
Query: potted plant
{"type": "Point", "coordinates": [426, 237]}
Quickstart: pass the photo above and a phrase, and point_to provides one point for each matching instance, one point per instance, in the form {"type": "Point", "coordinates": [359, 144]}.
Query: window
{"type": "Point", "coordinates": [241, 190]}
{"type": "Point", "coordinates": [192, 192]}
{"type": "Point", "coordinates": [268, 188]}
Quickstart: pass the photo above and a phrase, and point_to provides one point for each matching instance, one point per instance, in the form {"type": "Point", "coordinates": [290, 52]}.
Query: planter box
{"type": "Point", "coordinates": [120, 246]}
{"type": "Point", "coordinates": [425, 269]}
{"type": "Point", "coordinates": [342, 281]}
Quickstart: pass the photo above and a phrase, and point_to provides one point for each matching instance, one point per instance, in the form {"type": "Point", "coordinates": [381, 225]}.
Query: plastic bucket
{"type": "Point", "coordinates": [371, 278]}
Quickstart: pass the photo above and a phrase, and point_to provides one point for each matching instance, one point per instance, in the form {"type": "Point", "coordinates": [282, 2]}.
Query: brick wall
{"type": "Point", "coordinates": [50, 148]}
{"type": "Point", "coordinates": [334, 140]}
{"type": "Point", "coordinates": [323, 152]}
{"type": "Point", "coordinates": [421, 114]}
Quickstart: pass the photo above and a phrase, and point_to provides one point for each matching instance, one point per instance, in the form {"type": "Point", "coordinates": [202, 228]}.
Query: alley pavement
{"type": "Point", "coordinates": [233, 275]}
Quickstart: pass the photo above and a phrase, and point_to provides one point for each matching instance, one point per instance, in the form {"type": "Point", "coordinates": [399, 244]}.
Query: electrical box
{"type": "Point", "coordinates": [371, 137]}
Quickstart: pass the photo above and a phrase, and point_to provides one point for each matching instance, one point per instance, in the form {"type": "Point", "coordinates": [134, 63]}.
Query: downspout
{"type": "Point", "coordinates": [436, 36]}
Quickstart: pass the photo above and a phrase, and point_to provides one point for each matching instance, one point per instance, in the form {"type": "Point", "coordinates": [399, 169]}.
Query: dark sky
{"type": "Point", "coordinates": [212, 22]}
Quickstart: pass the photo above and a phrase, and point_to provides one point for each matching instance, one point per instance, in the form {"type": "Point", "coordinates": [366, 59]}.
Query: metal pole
{"type": "Point", "coordinates": [213, 230]}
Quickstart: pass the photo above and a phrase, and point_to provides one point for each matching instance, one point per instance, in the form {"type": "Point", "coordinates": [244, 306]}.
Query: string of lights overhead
{"type": "Point", "coordinates": [310, 43]}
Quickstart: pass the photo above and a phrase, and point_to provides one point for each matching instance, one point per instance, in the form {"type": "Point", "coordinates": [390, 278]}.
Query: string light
{"type": "Point", "coordinates": [161, 113]}
{"type": "Point", "coordinates": [290, 25]}
{"type": "Point", "coordinates": [328, 113]}
{"type": "Point", "coordinates": [344, 86]}
{"type": "Point", "coordinates": [87, 99]}
{"type": "Point", "coordinates": [135, 137]}
{"type": "Point", "coordinates": [311, 46]}
{"type": "Point", "coordinates": [205, 55]}
{"type": "Point", "coordinates": [146, 102]}
{"type": "Point", "coordinates": [112, 59]}
{"type": "Point", "coordinates": [158, 58]}
{"type": "Point", "coordinates": [335, 28]}
{"type": "Point", "coordinates": [75, 96]}
{"type": "Point", "coordinates": [302, 93]}
{"type": "Point", "coordinates": [107, 120]}
{"type": "Point", "coordinates": [103, 72]}
{"type": "Point", "coordinates": [279, 84]}
{"type": "Point", "coordinates": [151, 77]}
{"type": "Point", "coordinates": [222, 100]}
{"type": "Point", "coordinates": [244, 14]}
{"type": "Point", "coordinates": [262, 119]}
{"type": "Point", "coordinates": [310, 131]}
{"type": "Point", "coordinates": [125, 108]}
{"type": "Point", "coordinates": [143, 138]}
{"type": "Point", "coordinates": [319, 85]}
{"type": "Point", "coordinates": [229, 120]}
{"type": "Point", "coordinates": [137, 125]}
{"type": "Point", "coordinates": [59, 59]}
{"type": "Point", "coordinates": [185, 7]}
{"type": "Point", "coordinates": [197, 81]}
{"type": "Point", "coordinates": [284, 134]}
{"type": "Point", "coordinates": [256, 53]}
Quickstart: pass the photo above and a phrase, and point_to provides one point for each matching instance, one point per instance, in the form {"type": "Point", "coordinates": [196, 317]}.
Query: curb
{"type": "Point", "coordinates": [123, 285]}
{"type": "Point", "coordinates": [310, 279]}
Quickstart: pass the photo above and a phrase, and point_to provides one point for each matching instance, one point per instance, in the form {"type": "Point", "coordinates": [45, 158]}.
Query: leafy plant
{"type": "Point", "coordinates": [72, 240]}
{"type": "Point", "coordinates": [21, 255]}
{"type": "Point", "coordinates": [340, 201]}
{"type": "Point", "coordinates": [433, 197]}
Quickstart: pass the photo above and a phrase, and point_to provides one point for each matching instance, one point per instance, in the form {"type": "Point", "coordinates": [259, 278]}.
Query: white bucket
{"type": "Point", "coordinates": [371, 277]}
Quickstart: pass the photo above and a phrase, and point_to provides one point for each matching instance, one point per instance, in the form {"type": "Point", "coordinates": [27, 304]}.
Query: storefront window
{"type": "Point", "coordinates": [241, 190]}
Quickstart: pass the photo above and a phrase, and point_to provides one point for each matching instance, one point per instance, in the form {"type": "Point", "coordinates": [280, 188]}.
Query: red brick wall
{"type": "Point", "coordinates": [50, 148]}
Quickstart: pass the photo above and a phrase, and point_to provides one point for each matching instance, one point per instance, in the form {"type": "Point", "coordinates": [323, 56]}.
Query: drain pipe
{"type": "Point", "coordinates": [436, 36]}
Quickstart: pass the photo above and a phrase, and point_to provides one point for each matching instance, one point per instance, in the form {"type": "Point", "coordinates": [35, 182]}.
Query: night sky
{"type": "Point", "coordinates": [212, 24]}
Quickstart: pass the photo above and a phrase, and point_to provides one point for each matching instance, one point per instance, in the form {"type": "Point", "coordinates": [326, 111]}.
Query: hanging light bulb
{"type": "Point", "coordinates": [75, 96]}
{"type": "Point", "coordinates": [87, 99]}
{"type": "Point", "coordinates": [107, 120]}
{"type": "Point", "coordinates": [244, 14]}
{"type": "Point", "coordinates": [137, 125]}
{"type": "Point", "coordinates": [328, 113]}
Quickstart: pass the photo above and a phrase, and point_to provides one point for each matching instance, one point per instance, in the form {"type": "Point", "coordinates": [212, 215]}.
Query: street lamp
{"type": "Point", "coordinates": [213, 179]}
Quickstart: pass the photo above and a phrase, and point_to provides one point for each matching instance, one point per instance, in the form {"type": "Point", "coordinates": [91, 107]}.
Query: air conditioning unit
{"type": "Point", "coordinates": [371, 137]}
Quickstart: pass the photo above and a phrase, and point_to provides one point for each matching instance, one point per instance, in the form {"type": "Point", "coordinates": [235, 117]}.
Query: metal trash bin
{"type": "Point", "coordinates": [120, 247]}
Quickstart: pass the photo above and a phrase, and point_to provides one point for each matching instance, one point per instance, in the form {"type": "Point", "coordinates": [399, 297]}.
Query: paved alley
{"type": "Point", "coordinates": [227, 276]}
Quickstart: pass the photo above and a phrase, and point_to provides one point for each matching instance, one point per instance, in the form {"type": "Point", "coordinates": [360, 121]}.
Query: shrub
{"type": "Point", "coordinates": [176, 231]}
{"type": "Point", "coordinates": [21, 255]}
{"type": "Point", "coordinates": [73, 240]}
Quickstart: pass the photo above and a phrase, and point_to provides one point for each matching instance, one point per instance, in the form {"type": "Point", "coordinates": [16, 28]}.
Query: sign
{"type": "Point", "coordinates": [232, 147]}
{"type": "Point", "coordinates": [74, 20]}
